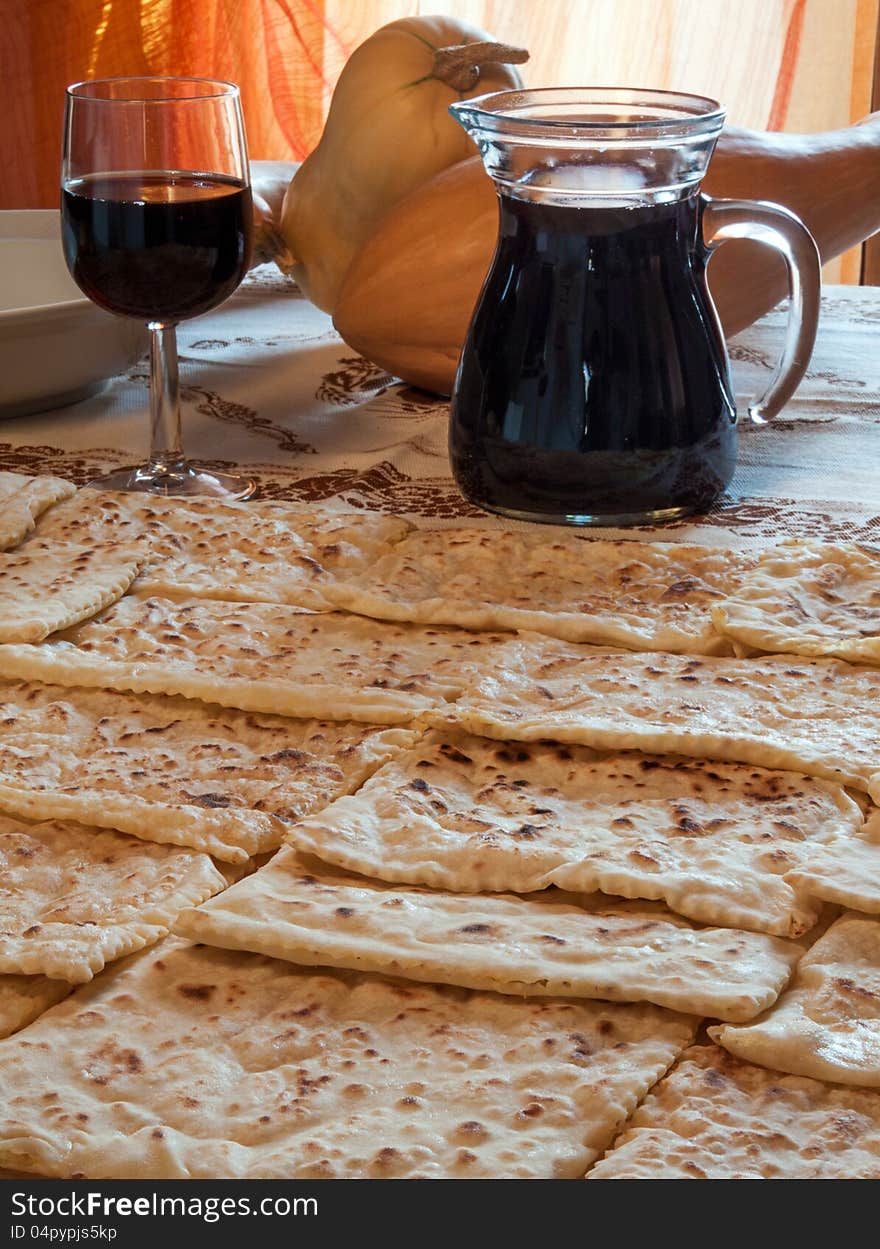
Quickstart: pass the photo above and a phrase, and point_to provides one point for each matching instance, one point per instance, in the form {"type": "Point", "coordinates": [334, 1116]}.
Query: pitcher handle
{"type": "Point", "coordinates": [775, 227]}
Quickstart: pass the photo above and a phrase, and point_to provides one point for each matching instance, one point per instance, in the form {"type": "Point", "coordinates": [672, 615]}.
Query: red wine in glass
{"type": "Point", "coordinates": [155, 246]}
{"type": "Point", "coordinates": [156, 218]}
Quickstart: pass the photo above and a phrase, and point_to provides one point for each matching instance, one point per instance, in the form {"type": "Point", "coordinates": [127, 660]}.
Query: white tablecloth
{"type": "Point", "coordinates": [267, 383]}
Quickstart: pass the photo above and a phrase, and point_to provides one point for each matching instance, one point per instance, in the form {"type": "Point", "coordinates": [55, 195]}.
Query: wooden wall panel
{"type": "Point", "coordinates": [870, 273]}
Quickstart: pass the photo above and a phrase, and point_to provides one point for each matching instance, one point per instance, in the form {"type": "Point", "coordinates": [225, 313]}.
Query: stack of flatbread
{"type": "Point", "coordinates": [331, 847]}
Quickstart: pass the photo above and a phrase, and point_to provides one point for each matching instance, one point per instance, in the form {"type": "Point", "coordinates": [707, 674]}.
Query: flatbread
{"type": "Point", "coordinates": [188, 1062]}
{"type": "Point", "coordinates": [48, 586]}
{"type": "Point", "coordinates": [850, 878]}
{"type": "Point", "coordinates": [24, 998]}
{"type": "Point", "coordinates": [716, 842]}
{"type": "Point", "coordinates": [714, 1117]}
{"type": "Point", "coordinates": [74, 898]}
{"type": "Point", "coordinates": [244, 552]}
{"type": "Point", "coordinates": [819, 716]}
{"type": "Point", "coordinates": [808, 599]}
{"type": "Point", "coordinates": [828, 1023]}
{"type": "Point", "coordinates": [259, 657]}
{"type": "Point", "coordinates": [23, 499]}
{"type": "Point", "coordinates": [174, 770]}
{"type": "Point", "coordinates": [642, 595]}
{"type": "Point", "coordinates": [553, 944]}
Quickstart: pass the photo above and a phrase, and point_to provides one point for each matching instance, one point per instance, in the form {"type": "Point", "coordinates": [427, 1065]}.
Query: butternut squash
{"type": "Point", "coordinates": [388, 130]}
{"type": "Point", "coordinates": [408, 296]}
{"type": "Point", "coordinates": [269, 182]}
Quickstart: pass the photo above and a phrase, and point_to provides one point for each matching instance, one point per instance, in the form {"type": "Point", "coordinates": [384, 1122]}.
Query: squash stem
{"type": "Point", "coordinates": [460, 65]}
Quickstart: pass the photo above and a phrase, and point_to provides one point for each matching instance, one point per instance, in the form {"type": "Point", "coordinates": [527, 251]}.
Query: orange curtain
{"type": "Point", "coordinates": [277, 50]}
{"type": "Point", "coordinates": [776, 64]}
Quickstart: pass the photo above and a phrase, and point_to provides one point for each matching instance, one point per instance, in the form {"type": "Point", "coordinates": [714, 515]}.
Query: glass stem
{"type": "Point", "coordinates": [166, 451]}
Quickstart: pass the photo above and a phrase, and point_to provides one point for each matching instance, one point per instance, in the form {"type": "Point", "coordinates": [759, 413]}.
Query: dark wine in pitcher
{"type": "Point", "coordinates": [593, 385]}
{"type": "Point", "coordinates": [160, 247]}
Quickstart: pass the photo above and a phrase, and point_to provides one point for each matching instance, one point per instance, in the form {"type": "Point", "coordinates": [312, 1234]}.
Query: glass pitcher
{"type": "Point", "coordinates": [593, 387]}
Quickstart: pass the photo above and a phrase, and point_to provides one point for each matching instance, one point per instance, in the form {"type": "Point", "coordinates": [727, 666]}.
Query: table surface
{"type": "Point", "coordinates": [267, 383]}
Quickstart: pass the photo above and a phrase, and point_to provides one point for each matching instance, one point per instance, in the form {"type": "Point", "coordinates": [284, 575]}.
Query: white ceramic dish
{"type": "Point", "coordinates": [55, 346]}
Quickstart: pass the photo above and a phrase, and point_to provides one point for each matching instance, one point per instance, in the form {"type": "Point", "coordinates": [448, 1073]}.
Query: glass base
{"type": "Point", "coordinates": [187, 482]}
{"type": "Point", "coordinates": [605, 520]}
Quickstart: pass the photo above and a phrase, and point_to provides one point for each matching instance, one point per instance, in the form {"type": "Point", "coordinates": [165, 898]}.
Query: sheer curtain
{"type": "Point", "coordinates": [777, 64]}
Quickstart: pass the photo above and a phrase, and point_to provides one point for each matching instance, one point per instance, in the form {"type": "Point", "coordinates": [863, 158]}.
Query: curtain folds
{"type": "Point", "coordinates": [777, 64]}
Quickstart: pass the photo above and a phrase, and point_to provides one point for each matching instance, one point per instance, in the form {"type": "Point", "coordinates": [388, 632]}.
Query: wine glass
{"type": "Point", "coordinates": [157, 223]}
